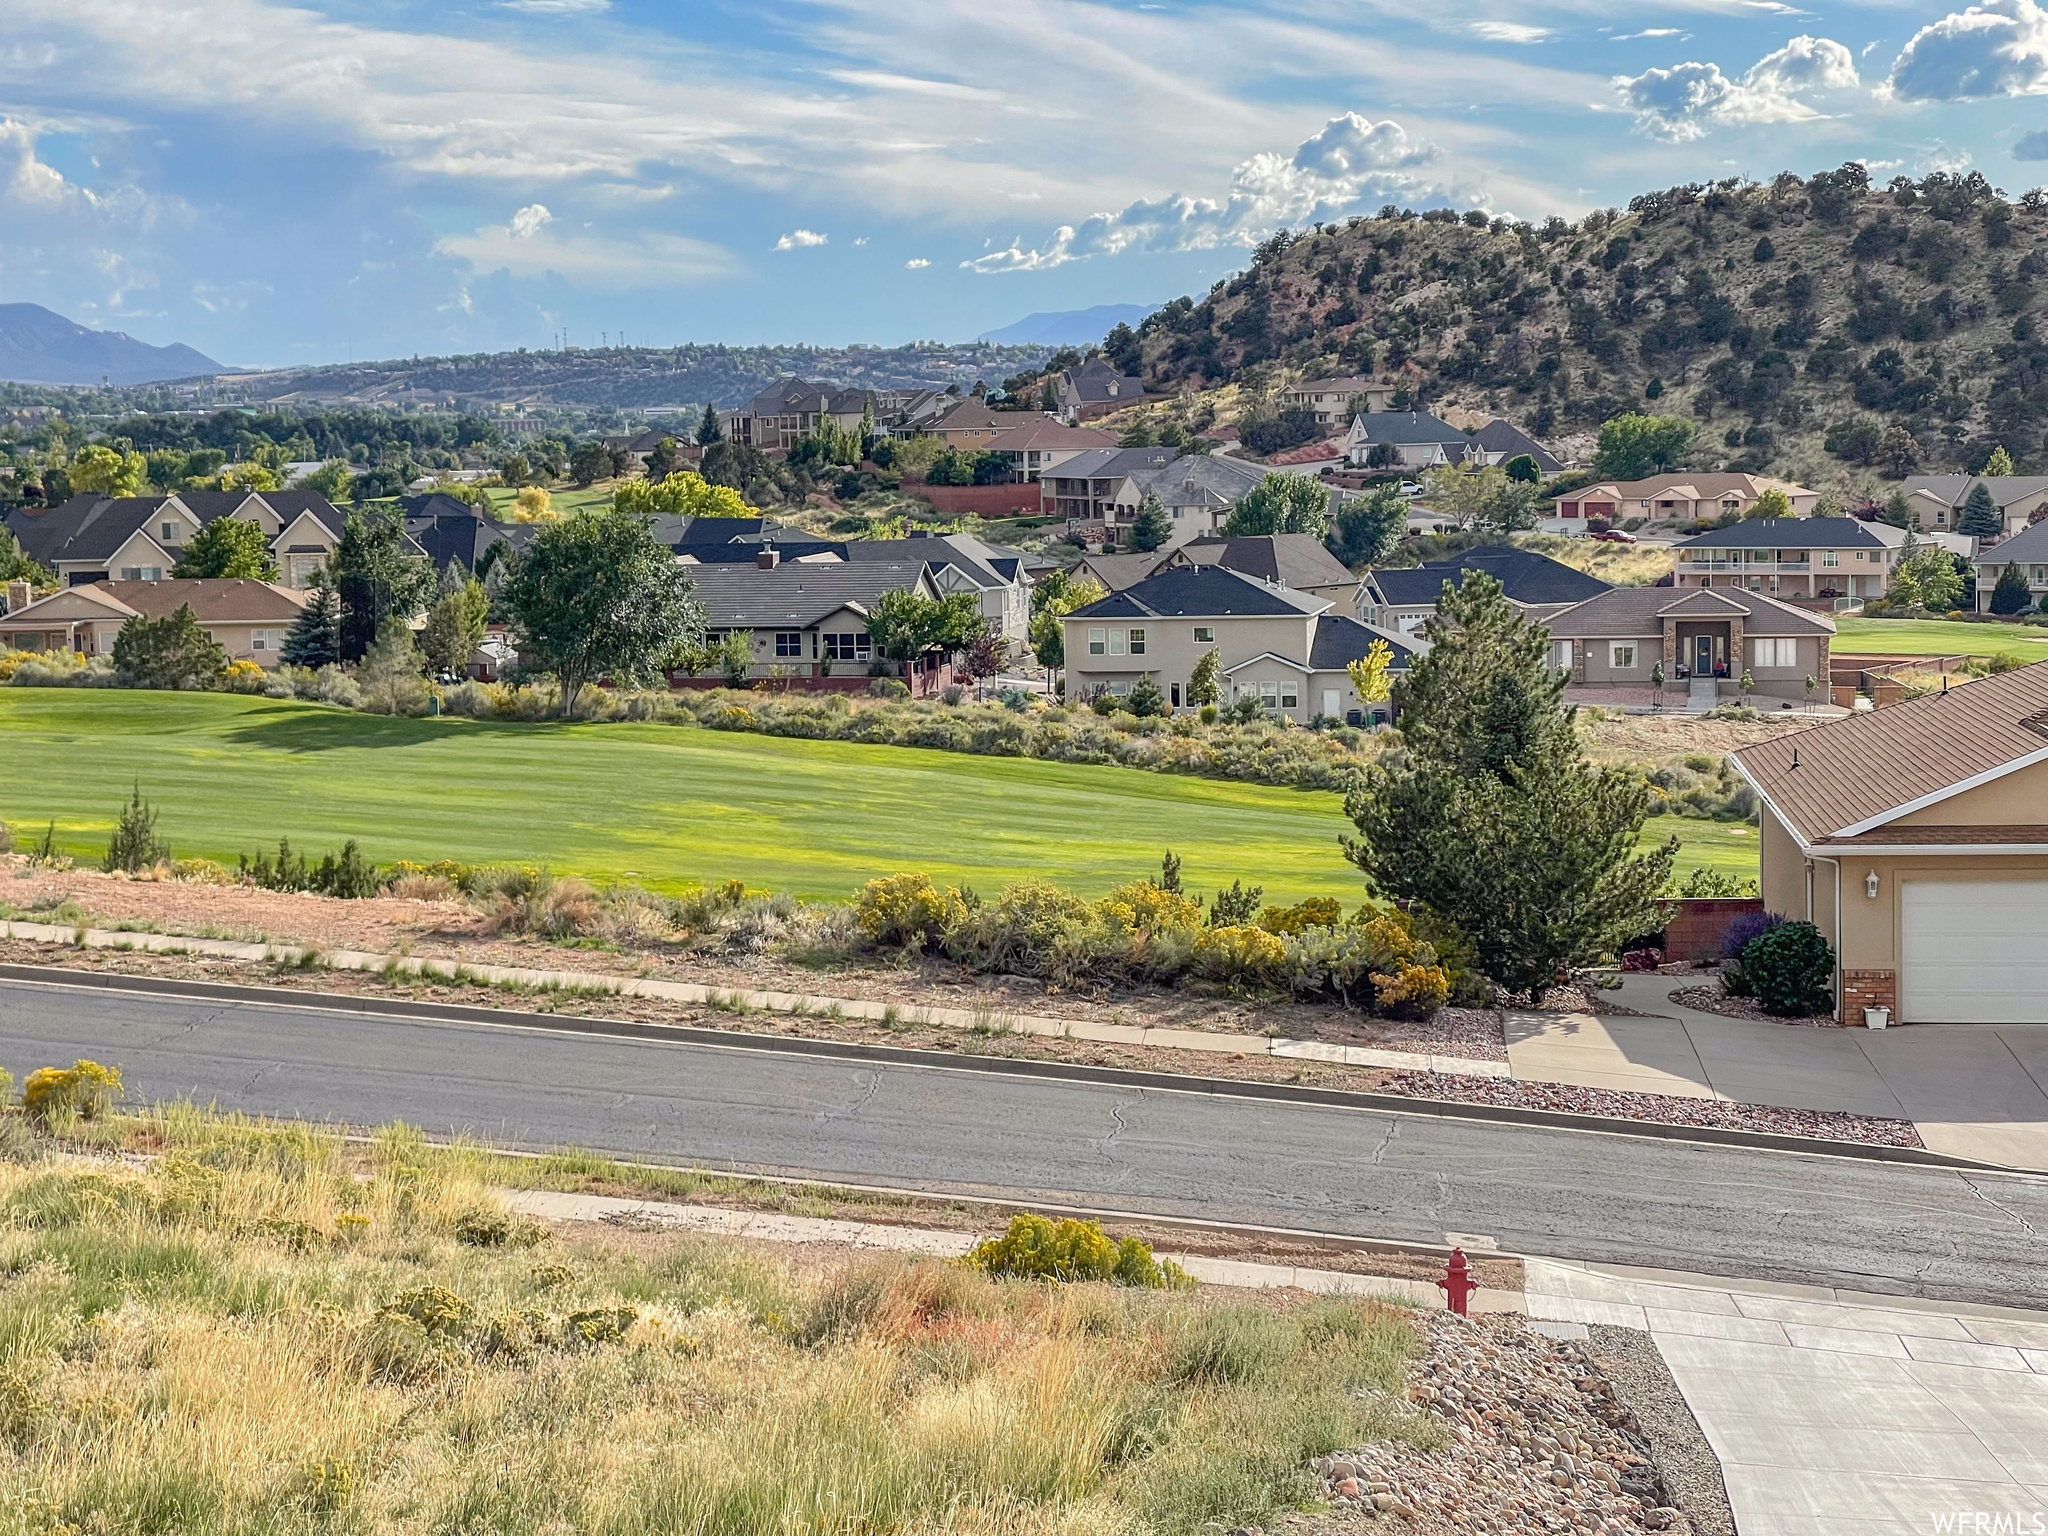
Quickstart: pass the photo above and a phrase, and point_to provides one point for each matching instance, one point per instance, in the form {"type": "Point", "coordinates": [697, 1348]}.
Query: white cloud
{"type": "Point", "coordinates": [2032, 146]}
{"type": "Point", "coordinates": [556, 7]}
{"type": "Point", "coordinates": [860, 239]}
{"type": "Point", "coordinates": [1999, 48]}
{"type": "Point", "coordinates": [1511, 32]}
{"type": "Point", "coordinates": [798, 238]}
{"type": "Point", "coordinates": [1630, 37]}
{"type": "Point", "coordinates": [919, 263]}
{"type": "Point", "coordinates": [1350, 159]}
{"type": "Point", "coordinates": [536, 248]}
{"type": "Point", "coordinates": [1688, 100]}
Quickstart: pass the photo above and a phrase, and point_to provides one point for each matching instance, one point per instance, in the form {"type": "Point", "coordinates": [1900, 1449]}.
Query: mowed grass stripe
{"type": "Point", "coordinates": [657, 804]}
{"type": "Point", "coordinates": [1937, 637]}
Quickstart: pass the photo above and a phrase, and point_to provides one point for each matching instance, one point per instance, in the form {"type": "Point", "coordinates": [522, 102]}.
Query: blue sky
{"type": "Point", "coordinates": [278, 182]}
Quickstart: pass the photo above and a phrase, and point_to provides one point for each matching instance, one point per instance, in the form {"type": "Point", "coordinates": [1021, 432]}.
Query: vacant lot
{"type": "Point", "coordinates": [1937, 637]}
{"type": "Point", "coordinates": [659, 805]}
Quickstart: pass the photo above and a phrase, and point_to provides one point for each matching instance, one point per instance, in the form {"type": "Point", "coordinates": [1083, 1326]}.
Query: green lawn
{"type": "Point", "coordinates": [1937, 637]}
{"type": "Point", "coordinates": [659, 804]}
{"type": "Point", "coordinates": [1729, 846]}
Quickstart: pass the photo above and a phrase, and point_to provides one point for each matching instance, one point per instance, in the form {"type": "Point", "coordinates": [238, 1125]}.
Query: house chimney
{"type": "Point", "coordinates": [19, 595]}
{"type": "Point", "coordinates": [768, 559]}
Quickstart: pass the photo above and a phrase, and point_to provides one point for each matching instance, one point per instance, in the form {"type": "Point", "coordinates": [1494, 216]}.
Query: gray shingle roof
{"type": "Point", "coordinates": [1292, 559]}
{"type": "Point", "coordinates": [1799, 533]}
{"type": "Point", "coordinates": [1628, 612]}
{"type": "Point", "coordinates": [1525, 576]}
{"type": "Point", "coordinates": [1400, 427]}
{"type": "Point", "coordinates": [1339, 641]}
{"type": "Point", "coordinates": [1502, 436]}
{"type": "Point", "coordinates": [1203, 592]}
{"type": "Point", "coordinates": [2028, 546]}
{"type": "Point", "coordinates": [1955, 489]}
{"type": "Point", "coordinates": [795, 596]}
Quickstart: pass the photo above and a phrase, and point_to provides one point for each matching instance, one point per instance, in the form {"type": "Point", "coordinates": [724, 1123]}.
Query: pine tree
{"type": "Point", "coordinates": [314, 640]}
{"type": "Point", "coordinates": [2011, 594]}
{"type": "Point", "coordinates": [1980, 517]}
{"type": "Point", "coordinates": [1151, 527]}
{"type": "Point", "coordinates": [135, 845]}
{"type": "Point", "coordinates": [708, 429]}
{"type": "Point", "coordinates": [2000, 462]}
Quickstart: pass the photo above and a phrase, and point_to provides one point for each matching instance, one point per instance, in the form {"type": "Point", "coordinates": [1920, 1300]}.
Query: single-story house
{"type": "Point", "coordinates": [1099, 492]}
{"type": "Point", "coordinates": [1335, 401]}
{"type": "Point", "coordinates": [803, 622]}
{"type": "Point", "coordinates": [248, 619]}
{"type": "Point", "coordinates": [1936, 501]}
{"type": "Point", "coordinates": [1400, 600]}
{"type": "Point", "coordinates": [1704, 641]}
{"type": "Point", "coordinates": [2028, 550]}
{"type": "Point", "coordinates": [1419, 440]}
{"type": "Point", "coordinates": [139, 538]}
{"type": "Point", "coordinates": [959, 562]}
{"type": "Point", "coordinates": [1677, 498]}
{"type": "Point", "coordinates": [1916, 839]}
{"type": "Point", "coordinates": [1809, 558]}
{"type": "Point", "coordinates": [1285, 648]}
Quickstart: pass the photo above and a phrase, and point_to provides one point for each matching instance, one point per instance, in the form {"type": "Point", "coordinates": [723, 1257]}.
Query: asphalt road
{"type": "Point", "coordinates": [1566, 1194]}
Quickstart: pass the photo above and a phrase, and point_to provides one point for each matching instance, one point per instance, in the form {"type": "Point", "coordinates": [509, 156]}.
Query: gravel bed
{"type": "Point", "coordinates": [1711, 999]}
{"type": "Point", "coordinates": [1691, 1471]}
{"type": "Point", "coordinates": [1535, 1439]}
{"type": "Point", "coordinates": [1667, 1109]}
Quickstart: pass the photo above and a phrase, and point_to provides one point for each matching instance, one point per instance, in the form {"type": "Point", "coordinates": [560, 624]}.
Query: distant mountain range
{"type": "Point", "coordinates": [1068, 327]}
{"type": "Point", "coordinates": [38, 346]}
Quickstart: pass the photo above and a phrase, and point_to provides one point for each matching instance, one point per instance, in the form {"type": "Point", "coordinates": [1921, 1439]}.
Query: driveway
{"type": "Point", "coordinates": [1972, 1090]}
{"type": "Point", "coordinates": [1835, 1411]}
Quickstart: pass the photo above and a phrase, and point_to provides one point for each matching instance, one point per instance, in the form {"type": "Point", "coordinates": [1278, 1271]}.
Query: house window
{"type": "Point", "coordinates": [1116, 642]}
{"type": "Point", "coordinates": [1621, 655]}
{"type": "Point", "coordinates": [1205, 634]}
{"type": "Point", "coordinates": [1269, 695]}
{"type": "Point", "coordinates": [1098, 642]}
{"type": "Point", "coordinates": [1137, 642]}
{"type": "Point", "coordinates": [789, 642]}
{"type": "Point", "coordinates": [1290, 695]}
{"type": "Point", "coordinates": [1563, 657]}
{"type": "Point", "coordinates": [1830, 558]}
{"type": "Point", "coordinates": [170, 533]}
{"type": "Point", "coordinates": [856, 646]}
{"type": "Point", "coordinates": [1775, 653]}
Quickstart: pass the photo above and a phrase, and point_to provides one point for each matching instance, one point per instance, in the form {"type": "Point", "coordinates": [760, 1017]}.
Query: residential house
{"type": "Point", "coordinates": [1298, 561]}
{"type": "Point", "coordinates": [1702, 640]}
{"type": "Point", "coordinates": [960, 562]}
{"type": "Point", "coordinates": [1101, 485]}
{"type": "Point", "coordinates": [706, 539]}
{"type": "Point", "coordinates": [1418, 440]}
{"type": "Point", "coordinates": [2028, 550]}
{"type": "Point", "coordinates": [139, 538]}
{"type": "Point", "coordinates": [639, 446]}
{"type": "Point", "coordinates": [971, 426]}
{"type": "Point", "coordinates": [1916, 839]}
{"type": "Point", "coordinates": [1400, 600]}
{"type": "Point", "coordinates": [1099, 492]}
{"type": "Point", "coordinates": [248, 619]}
{"type": "Point", "coordinates": [1094, 389]}
{"type": "Point", "coordinates": [780, 416]}
{"type": "Point", "coordinates": [1806, 558]}
{"type": "Point", "coordinates": [1336, 401]}
{"type": "Point", "coordinates": [1035, 446]}
{"type": "Point", "coordinates": [804, 622]}
{"type": "Point", "coordinates": [1287, 649]}
{"type": "Point", "coordinates": [1676, 498]}
{"type": "Point", "coordinates": [1501, 440]}
{"type": "Point", "coordinates": [1936, 501]}
{"type": "Point", "coordinates": [448, 533]}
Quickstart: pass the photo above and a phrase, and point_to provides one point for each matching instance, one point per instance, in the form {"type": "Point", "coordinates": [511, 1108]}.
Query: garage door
{"type": "Point", "coordinates": [1974, 952]}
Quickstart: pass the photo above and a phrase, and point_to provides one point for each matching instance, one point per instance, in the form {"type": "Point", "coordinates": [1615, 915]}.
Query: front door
{"type": "Point", "coordinates": [1332, 703]}
{"type": "Point", "coordinates": [1703, 656]}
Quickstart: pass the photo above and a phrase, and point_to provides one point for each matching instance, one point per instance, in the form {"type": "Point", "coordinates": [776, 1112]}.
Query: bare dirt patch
{"type": "Point", "coordinates": [1636, 738]}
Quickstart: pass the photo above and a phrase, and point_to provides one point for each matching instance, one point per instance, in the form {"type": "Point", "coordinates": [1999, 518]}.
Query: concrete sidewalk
{"type": "Point", "coordinates": [1833, 1410]}
{"type": "Point", "coordinates": [1972, 1090]}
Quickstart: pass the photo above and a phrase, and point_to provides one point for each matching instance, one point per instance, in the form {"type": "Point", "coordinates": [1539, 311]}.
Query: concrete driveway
{"type": "Point", "coordinates": [1835, 1411]}
{"type": "Point", "coordinates": [1972, 1090]}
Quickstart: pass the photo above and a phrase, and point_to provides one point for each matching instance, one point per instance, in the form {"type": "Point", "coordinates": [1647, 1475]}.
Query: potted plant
{"type": "Point", "coordinates": [1877, 1018]}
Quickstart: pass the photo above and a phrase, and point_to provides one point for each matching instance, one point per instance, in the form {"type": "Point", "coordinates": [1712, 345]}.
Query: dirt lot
{"type": "Point", "coordinates": [1657, 738]}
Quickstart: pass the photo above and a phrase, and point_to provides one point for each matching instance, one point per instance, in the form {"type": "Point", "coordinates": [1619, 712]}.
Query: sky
{"type": "Point", "coordinates": [282, 183]}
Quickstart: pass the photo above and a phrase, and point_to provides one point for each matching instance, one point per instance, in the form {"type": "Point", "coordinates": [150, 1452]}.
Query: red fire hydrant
{"type": "Point", "coordinates": [1457, 1283]}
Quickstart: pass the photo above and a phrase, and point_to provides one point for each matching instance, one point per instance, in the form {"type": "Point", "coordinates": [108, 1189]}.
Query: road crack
{"type": "Point", "coordinates": [1393, 1130]}
{"type": "Point", "coordinates": [2021, 1221]}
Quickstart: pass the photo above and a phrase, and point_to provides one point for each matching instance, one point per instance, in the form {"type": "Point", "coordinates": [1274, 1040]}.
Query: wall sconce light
{"type": "Point", "coordinates": [1870, 885]}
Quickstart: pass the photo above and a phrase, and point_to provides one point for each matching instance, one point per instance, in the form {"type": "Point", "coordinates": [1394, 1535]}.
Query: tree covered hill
{"type": "Point", "coordinates": [1823, 328]}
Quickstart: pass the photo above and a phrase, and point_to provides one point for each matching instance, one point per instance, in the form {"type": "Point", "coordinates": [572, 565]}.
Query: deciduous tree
{"type": "Point", "coordinates": [1634, 447]}
{"type": "Point", "coordinates": [1368, 527]}
{"type": "Point", "coordinates": [229, 549]}
{"type": "Point", "coordinates": [103, 471]}
{"type": "Point", "coordinates": [455, 624]}
{"type": "Point", "coordinates": [1281, 503]}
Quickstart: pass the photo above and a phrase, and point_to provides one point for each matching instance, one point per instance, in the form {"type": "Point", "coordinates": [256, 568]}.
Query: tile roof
{"type": "Point", "coordinates": [1292, 559]}
{"type": "Point", "coordinates": [1524, 575]}
{"type": "Point", "coordinates": [972, 413]}
{"type": "Point", "coordinates": [1202, 592]}
{"type": "Point", "coordinates": [1308, 453]}
{"type": "Point", "coordinates": [747, 597]}
{"type": "Point", "coordinates": [1637, 611]}
{"type": "Point", "coordinates": [1876, 766]}
{"type": "Point", "coordinates": [1799, 533]}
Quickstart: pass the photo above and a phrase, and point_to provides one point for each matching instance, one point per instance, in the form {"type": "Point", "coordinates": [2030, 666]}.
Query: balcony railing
{"type": "Point", "coordinates": [1757, 567]}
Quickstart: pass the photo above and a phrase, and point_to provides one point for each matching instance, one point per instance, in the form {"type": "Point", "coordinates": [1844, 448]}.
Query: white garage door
{"type": "Point", "coordinates": [1974, 952]}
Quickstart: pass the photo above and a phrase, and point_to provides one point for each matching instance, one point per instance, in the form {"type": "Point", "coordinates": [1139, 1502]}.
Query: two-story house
{"type": "Point", "coordinates": [1416, 440]}
{"type": "Point", "coordinates": [1400, 601]}
{"type": "Point", "coordinates": [1300, 562]}
{"type": "Point", "coordinates": [1094, 389]}
{"type": "Point", "coordinates": [959, 562]}
{"type": "Point", "coordinates": [1335, 401]}
{"type": "Point", "coordinates": [1288, 650]}
{"type": "Point", "coordinates": [140, 538]}
{"type": "Point", "coordinates": [1936, 501]}
{"type": "Point", "coordinates": [1038, 444]}
{"type": "Point", "coordinates": [2027, 550]}
{"type": "Point", "coordinates": [1676, 498]}
{"type": "Point", "coordinates": [786, 412]}
{"type": "Point", "coordinates": [1807, 559]}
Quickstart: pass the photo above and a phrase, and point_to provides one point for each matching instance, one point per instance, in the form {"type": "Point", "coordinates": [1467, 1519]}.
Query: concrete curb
{"type": "Point", "coordinates": [1172, 1082]}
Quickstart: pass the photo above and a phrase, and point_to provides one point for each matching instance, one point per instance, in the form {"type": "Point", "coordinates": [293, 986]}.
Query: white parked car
{"type": "Point", "coordinates": [1411, 488]}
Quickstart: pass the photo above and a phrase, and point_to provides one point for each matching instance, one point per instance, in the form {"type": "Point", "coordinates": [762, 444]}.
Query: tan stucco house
{"type": "Point", "coordinates": [140, 538]}
{"type": "Point", "coordinates": [1678, 498]}
{"type": "Point", "coordinates": [1797, 558]}
{"type": "Point", "coordinates": [1615, 645]}
{"type": "Point", "coordinates": [1916, 839]}
{"type": "Point", "coordinates": [1936, 501]}
{"type": "Point", "coordinates": [247, 619]}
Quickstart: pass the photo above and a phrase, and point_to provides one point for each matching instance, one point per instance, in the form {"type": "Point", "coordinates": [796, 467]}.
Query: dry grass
{"type": "Point", "coordinates": [244, 1335]}
{"type": "Point", "coordinates": [1621, 565]}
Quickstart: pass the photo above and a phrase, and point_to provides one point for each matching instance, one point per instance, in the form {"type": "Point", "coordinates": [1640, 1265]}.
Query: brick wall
{"type": "Point", "coordinates": [1694, 932]}
{"type": "Point", "coordinates": [1868, 989]}
{"type": "Point", "coordinates": [984, 500]}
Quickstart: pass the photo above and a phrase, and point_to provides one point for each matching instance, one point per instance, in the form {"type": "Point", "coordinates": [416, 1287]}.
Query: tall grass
{"type": "Point", "coordinates": [249, 1335]}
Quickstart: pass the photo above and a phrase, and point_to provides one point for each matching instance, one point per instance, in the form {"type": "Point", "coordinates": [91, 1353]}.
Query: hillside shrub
{"type": "Point", "coordinates": [1038, 1248]}
{"type": "Point", "coordinates": [1792, 969]}
{"type": "Point", "coordinates": [907, 911]}
{"type": "Point", "coordinates": [84, 1089]}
